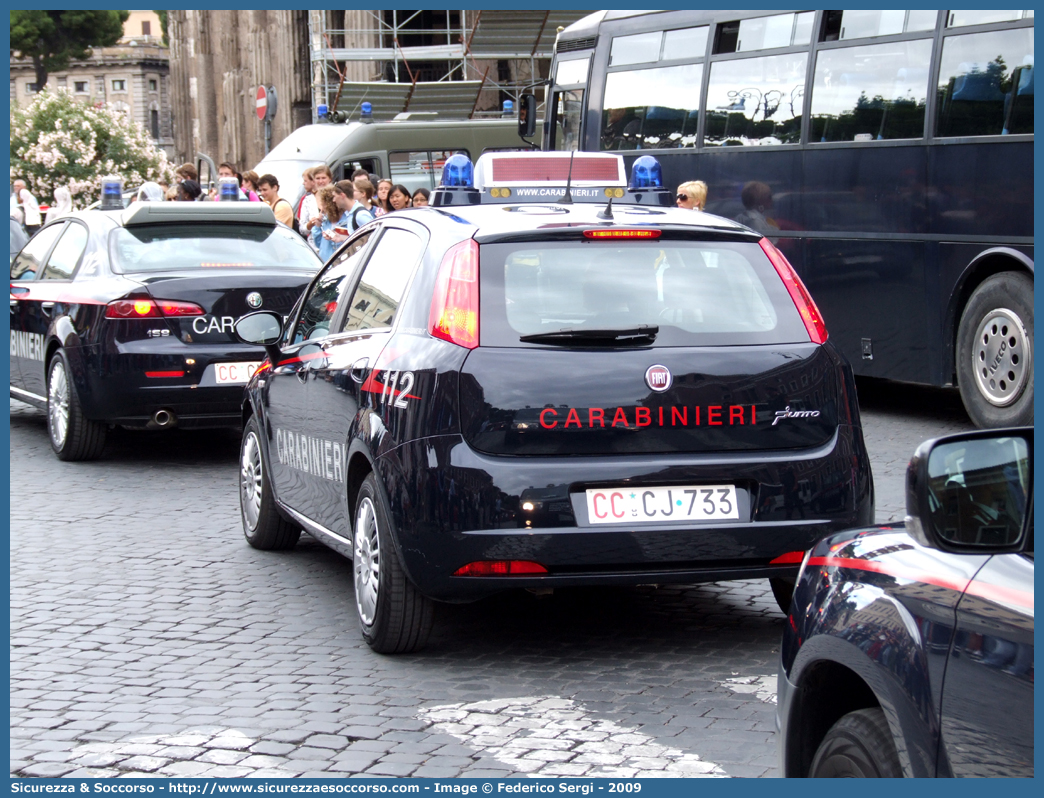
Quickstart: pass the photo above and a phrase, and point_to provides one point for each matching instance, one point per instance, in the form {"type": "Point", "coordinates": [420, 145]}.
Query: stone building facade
{"type": "Point", "coordinates": [218, 59]}
{"type": "Point", "coordinates": [134, 76]}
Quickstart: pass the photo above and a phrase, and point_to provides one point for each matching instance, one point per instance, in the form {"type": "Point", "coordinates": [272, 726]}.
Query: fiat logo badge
{"type": "Point", "coordinates": [658, 378]}
{"type": "Point", "coordinates": [254, 299]}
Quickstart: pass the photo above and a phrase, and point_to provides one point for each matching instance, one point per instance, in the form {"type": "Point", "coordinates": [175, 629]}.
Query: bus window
{"type": "Point", "coordinates": [756, 100]}
{"type": "Point", "coordinates": [863, 23]}
{"type": "Point", "coordinates": [671, 45]}
{"type": "Point", "coordinates": [762, 33]}
{"type": "Point", "coordinates": [638, 49]}
{"type": "Point", "coordinates": [958, 19]}
{"type": "Point", "coordinates": [871, 93]}
{"type": "Point", "coordinates": [568, 107]}
{"type": "Point", "coordinates": [651, 108]}
{"type": "Point", "coordinates": [570, 72]}
{"type": "Point", "coordinates": [567, 104]}
{"type": "Point", "coordinates": [686, 43]}
{"type": "Point", "coordinates": [986, 84]}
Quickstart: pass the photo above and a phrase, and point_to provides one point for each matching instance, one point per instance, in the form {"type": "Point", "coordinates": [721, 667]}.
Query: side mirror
{"type": "Point", "coordinates": [527, 105]}
{"type": "Point", "coordinates": [972, 492]}
{"type": "Point", "coordinates": [263, 328]}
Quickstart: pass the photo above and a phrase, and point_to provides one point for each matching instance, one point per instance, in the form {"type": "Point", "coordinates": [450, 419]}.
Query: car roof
{"type": "Point", "coordinates": [140, 213]}
{"type": "Point", "coordinates": [505, 219]}
{"type": "Point", "coordinates": [143, 213]}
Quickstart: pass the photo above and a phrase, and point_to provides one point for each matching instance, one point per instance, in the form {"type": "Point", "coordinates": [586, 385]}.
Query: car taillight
{"type": "Point", "coordinates": [150, 309]}
{"type": "Point", "coordinates": [810, 314]}
{"type": "Point", "coordinates": [455, 304]}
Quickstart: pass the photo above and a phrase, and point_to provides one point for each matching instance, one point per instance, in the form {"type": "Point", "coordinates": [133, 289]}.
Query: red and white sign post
{"type": "Point", "coordinates": [265, 106]}
{"type": "Point", "coordinates": [262, 103]}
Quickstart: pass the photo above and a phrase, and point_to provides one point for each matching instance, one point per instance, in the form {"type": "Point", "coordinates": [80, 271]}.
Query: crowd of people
{"type": "Point", "coordinates": [328, 212]}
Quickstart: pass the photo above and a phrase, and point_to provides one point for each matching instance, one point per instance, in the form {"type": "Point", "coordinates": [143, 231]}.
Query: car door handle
{"type": "Point", "coordinates": [47, 307]}
{"type": "Point", "coordinates": [358, 371]}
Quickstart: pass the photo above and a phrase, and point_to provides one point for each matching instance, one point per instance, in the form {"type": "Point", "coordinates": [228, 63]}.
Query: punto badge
{"type": "Point", "coordinates": [658, 378]}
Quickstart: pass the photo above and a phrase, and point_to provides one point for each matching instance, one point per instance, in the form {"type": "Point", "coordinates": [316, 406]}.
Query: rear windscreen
{"type": "Point", "coordinates": [172, 247]}
{"type": "Point", "coordinates": [696, 293]}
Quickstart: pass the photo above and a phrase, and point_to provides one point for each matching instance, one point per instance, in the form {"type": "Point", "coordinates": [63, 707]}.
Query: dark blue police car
{"type": "Point", "coordinates": [908, 650]}
{"type": "Point", "coordinates": [549, 378]}
{"type": "Point", "coordinates": [125, 317]}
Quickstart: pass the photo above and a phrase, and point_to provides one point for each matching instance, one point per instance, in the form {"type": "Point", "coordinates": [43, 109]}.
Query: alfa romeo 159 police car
{"type": "Point", "coordinates": [125, 316]}
{"type": "Point", "coordinates": [548, 378]}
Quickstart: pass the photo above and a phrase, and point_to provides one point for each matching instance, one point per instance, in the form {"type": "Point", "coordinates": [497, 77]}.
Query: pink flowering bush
{"type": "Point", "coordinates": [60, 141]}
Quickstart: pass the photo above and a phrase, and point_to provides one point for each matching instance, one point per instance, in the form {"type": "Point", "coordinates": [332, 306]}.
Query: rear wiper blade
{"type": "Point", "coordinates": [644, 333]}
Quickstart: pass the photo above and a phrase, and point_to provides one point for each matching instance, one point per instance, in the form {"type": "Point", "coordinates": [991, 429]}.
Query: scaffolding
{"type": "Point", "coordinates": [400, 62]}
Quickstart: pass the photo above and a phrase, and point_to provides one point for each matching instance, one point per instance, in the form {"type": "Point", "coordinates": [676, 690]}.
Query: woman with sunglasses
{"type": "Point", "coordinates": [692, 195]}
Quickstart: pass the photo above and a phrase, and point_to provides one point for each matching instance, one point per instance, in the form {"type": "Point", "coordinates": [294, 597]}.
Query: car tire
{"type": "Point", "coordinates": [857, 746]}
{"type": "Point", "coordinates": [998, 314]}
{"type": "Point", "coordinates": [393, 615]}
{"type": "Point", "coordinates": [783, 591]}
{"type": "Point", "coordinates": [72, 435]}
{"type": "Point", "coordinates": [263, 526]}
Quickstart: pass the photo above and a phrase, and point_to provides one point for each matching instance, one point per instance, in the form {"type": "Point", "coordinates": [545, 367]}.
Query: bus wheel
{"type": "Point", "coordinates": [995, 352]}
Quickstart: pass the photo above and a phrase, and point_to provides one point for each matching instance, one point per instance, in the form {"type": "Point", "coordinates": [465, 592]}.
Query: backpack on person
{"type": "Point", "coordinates": [355, 215]}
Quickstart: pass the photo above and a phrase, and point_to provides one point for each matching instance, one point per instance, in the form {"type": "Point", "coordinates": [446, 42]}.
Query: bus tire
{"type": "Point", "coordinates": [995, 352]}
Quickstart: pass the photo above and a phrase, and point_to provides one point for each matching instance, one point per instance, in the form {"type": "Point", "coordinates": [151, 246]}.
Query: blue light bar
{"type": "Point", "coordinates": [112, 193]}
{"type": "Point", "coordinates": [646, 173]}
{"type": "Point", "coordinates": [228, 189]}
{"type": "Point", "coordinates": [458, 172]}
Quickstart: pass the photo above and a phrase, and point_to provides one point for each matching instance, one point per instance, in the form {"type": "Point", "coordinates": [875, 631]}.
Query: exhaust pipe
{"type": "Point", "coordinates": [163, 419]}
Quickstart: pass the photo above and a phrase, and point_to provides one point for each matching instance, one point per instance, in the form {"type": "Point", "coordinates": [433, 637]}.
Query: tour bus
{"type": "Point", "coordinates": [409, 150]}
{"type": "Point", "coordinates": [888, 154]}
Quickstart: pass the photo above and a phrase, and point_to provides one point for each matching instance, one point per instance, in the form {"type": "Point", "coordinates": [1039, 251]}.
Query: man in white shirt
{"type": "Point", "coordinates": [30, 207]}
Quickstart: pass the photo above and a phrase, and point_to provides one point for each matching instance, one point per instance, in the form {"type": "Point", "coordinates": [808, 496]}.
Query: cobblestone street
{"type": "Point", "coordinates": [147, 638]}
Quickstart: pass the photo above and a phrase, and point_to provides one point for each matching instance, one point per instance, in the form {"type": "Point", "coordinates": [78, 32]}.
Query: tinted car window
{"type": "Point", "coordinates": [986, 84]}
{"type": "Point", "coordinates": [320, 305]}
{"type": "Point", "coordinates": [871, 93]}
{"type": "Point", "coordinates": [66, 254]}
{"type": "Point", "coordinates": [375, 301]}
{"type": "Point", "coordinates": [696, 293]}
{"type": "Point", "coordinates": [29, 260]}
{"type": "Point", "coordinates": [165, 247]}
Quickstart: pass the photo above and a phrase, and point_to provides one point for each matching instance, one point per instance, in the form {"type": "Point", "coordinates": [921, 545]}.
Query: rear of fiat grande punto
{"type": "Point", "coordinates": [635, 406]}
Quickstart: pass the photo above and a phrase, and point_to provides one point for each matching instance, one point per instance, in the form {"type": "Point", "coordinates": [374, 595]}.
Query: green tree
{"type": "Point", "coordinates": [53, 38]}
{"type": "Point", "coordinates": [163, 26]}
{"type": "Point", "coordinates": [59, 141]}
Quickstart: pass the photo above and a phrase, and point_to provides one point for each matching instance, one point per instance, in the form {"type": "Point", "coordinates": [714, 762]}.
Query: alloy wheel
{"type": "Point", "coordinates": [367, 561]}
{"type": "Point", "coordinates": [58, 404]}
{"type": "Point", "coordinates": [250, 477]}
